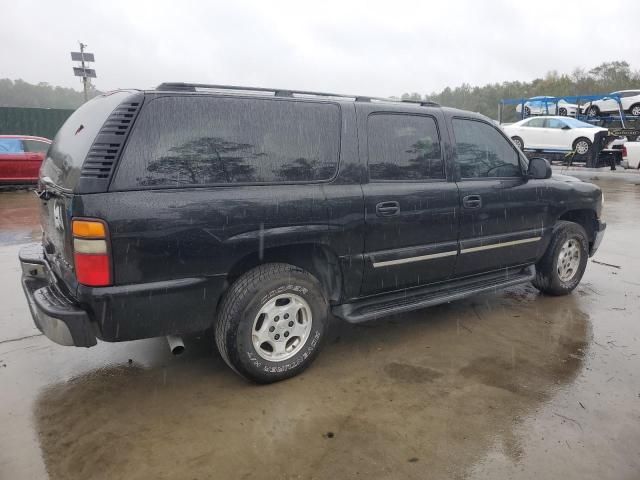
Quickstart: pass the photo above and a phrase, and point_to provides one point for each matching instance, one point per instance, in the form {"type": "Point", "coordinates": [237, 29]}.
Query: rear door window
{"type": "Point", "coordinates": [183, 141]}
{"type": "Point", "coordinates": [403, 147]}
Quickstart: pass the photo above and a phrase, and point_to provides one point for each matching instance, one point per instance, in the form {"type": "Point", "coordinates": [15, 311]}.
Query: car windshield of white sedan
{"type": "Point", "coordinates": [573, 123]}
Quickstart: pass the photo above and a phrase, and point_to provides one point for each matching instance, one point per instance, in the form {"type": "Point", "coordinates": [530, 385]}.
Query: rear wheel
{"type": "Point", "coordinates": [562, 112]}
{"type": "Point", "coordinates": [518, 142]}
{"type": "Point", "coordinates": [582, 146]}
{"type": "Point", "coordinates": [527, 111]}
{"type": "Point", "coordinates": [271, 323]}
{"type": "Point", "coordinates": [593, 111]}
{"type": "Point", "coordinates": [563, 264]}
{"type": "Point", "coordinates": [635, 110]}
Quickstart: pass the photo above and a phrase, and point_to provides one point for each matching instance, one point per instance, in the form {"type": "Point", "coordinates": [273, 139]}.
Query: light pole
{"type": "Point", "coordinates": [83, 71]}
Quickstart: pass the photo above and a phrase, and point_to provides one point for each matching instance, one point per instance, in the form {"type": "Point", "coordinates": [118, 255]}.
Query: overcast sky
{"type": "Point", "coordinates": [371, 48]}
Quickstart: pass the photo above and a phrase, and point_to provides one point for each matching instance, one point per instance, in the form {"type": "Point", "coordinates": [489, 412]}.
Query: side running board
{"type": "Point", "coordinates": [399, 302]}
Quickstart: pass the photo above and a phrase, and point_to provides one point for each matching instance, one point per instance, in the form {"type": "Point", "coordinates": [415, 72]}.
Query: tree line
{"type": "Point", "coordinates": [19, 93]}
{"type": "Point", "coordinates": [605, 78]}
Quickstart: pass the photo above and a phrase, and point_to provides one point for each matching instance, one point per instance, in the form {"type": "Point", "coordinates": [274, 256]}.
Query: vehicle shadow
{"type": "Point", "coordinates": [432, 391]}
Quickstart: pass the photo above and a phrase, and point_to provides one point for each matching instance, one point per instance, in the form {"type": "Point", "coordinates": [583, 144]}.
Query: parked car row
{"type": "Point", "coordinates": [544, 105]}
{"type": "Point", "coordinates": [21, 157]}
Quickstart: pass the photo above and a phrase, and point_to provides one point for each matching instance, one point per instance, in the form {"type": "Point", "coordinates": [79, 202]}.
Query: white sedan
{"type": "Point", "coordinates": [547, 106]}
{"type": "Point", "coordinates": [553, 133]}
{"type": "Point", "coordinates": [630, 100]}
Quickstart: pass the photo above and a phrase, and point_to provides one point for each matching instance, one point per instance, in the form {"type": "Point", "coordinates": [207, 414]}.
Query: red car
{"type": "Point", "coordinates": [21, 157]}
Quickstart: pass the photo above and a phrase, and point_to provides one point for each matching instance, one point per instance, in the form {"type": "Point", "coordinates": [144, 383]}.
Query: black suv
{"type": "Point", "coordinates": [255, 214]}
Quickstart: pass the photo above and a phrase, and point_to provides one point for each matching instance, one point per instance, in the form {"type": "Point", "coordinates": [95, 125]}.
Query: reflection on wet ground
{"type": "Point", "coordinates": [511, 385]}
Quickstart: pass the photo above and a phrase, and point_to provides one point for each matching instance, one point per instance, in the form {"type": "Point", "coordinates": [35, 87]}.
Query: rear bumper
{"type": "Point", "coordinates": [597, 239]}
{"type": "Point", "coordinates": [118, 313]}
{"type": "Point", "coordinates": [54, 313]}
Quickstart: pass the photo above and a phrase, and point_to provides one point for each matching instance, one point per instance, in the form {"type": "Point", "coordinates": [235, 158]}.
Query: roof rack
{"type": "Point", "coordinates": [280, 92]}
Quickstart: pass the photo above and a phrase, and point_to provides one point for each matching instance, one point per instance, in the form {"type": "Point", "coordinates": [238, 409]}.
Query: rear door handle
{"type": "Point", "coordinates": [387, 209]}
{"type": "Point", "coordinates": [472, 201]}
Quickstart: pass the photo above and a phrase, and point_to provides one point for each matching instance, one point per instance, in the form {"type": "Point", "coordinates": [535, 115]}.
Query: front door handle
{"type": "Point", "coordinates": [472, 201]}
{"type": "Point", "coordinates": [387, 209]}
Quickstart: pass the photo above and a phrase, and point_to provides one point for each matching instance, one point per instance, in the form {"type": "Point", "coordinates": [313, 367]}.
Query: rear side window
{"type": "Point", "coordinates": [403, 147]}
{"type": "Point", "coordinates": [481, 151]}
{"type": "Point", "coordinates": [535, 123]}
{"type": "Point", "coordinates": [11, 145]}
{"type": "Point", "coordinates": [182, 141]}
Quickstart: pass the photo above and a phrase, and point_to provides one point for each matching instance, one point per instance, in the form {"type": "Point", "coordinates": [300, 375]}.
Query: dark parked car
{"type": "Point", "coordinates": [255, 214]}
{"type": "Point", "coordinates": [21, 157]}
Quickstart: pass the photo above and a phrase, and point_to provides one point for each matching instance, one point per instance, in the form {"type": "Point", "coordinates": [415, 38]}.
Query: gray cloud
{"type": "Point", "coordinates": [375, 48]}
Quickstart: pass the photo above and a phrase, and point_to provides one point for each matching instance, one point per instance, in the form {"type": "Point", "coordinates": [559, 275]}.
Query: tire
{"type": "Point", "coordinates": [582, 146]}
{"type": "Point", "coordinates": [527, 111]}
{"type": "Point", "coordinates": [635, 110]}
{"type": "Point", "coordinates": [568, 238]}
{"type": "Point", "coordinates": [593, 111]}
{"type": "Point", "coordinates": [244, 332]}
{"type": "Point", "coordinates": [518, 142]}
{"type": "Point", "coordinates": [562, 112]}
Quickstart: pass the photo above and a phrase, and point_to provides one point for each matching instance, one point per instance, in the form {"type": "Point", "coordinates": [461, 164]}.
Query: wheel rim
{"type": "Point", "coordinates": [281, 327]}
{"type": "Point", "coordinates": [527, 111]}
{"type": "Point", "coordinates": [569, 260]}
{"type": "Point", "coordinates": [593, 111]}
{"type": "Point", "coordinates": [582, 147]}
{"type": "Point", "coordinates": [636, 111]}
{"type": "Point", "coordinates": [518, 143]}
{"type": "Point", "coordinates": [563, 112]}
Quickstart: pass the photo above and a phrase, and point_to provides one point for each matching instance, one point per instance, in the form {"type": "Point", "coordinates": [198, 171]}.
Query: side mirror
{"type": "Point", "coordinates": [566, 127]}
{"type": "Point", "coordinates": [539, 168]}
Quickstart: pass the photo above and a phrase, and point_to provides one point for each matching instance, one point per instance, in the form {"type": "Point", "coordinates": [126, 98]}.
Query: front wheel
{"type": "Point", "coordinates": [561, 267]}
{"type": "Point", "coordinates": [593, 111]}
{"type": "Point", "coordinates": [582, 146]}
{"type": "Point", "coordinates": [635, 110]}
{"type": "Point", "coordinates": [518, 142]}
{"type": "Point", "coordinates": [271, 322]}
{"type": "Point", "coordinates": [562, 112]}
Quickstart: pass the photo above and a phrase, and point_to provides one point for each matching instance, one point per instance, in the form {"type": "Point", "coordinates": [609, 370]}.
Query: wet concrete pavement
{"type": "Point", "coordinates": [500, 386]}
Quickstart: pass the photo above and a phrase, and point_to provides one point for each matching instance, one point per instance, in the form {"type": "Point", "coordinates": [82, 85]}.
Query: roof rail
{"type": "Point", "coordinates": [278, 92]}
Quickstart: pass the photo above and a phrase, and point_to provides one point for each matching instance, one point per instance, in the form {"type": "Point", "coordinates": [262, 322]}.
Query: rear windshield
{"type": "Point", "coordinates": [74, 139]}
{"type": "Point", "coordinates": [204, 140]}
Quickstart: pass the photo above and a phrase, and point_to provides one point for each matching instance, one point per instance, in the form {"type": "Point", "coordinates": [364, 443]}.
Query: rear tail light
{"type": "Point", "coordinates": [91, 252]}
{"type": "Point", "coordinates": [624, 151]}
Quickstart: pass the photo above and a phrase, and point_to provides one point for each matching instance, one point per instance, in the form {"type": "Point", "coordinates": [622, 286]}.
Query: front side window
{"type": "Point", "coordinates": [483, 152]}
{"type": "Point", "coordinates": [181, 141]}
{"type": "Point", "coordinates": [11, 145]}
{"type": "Point", "coordinates": [403, 147]}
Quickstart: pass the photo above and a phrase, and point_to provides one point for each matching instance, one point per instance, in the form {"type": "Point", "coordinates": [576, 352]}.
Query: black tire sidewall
{"type": "Point", "coordinates": [242, 353]}
{"type": "Point", "coordinates": [566, 233]}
